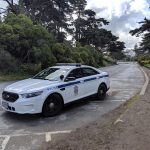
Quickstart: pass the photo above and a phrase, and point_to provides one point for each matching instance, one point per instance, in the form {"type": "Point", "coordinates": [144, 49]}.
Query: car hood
{"type": "Point", "coordinates": [29, 85]}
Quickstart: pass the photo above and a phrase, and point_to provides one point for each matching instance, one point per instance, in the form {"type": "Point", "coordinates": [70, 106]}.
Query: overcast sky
{"type": "Point", "coordinates": [122, 14]}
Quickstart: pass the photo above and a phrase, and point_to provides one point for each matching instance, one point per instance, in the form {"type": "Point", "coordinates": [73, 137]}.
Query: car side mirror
{"type": "Point", "coordinates": [70, 78]}
{"type": "Point", "coordinates": [61, 77]}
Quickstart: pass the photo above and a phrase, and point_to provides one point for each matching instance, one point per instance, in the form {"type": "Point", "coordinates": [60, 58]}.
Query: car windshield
{"type": "Point", "coordinates": [51, 74]}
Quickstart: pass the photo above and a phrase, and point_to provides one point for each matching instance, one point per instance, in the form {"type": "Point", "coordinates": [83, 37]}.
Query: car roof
{"type": "Point", "coordinates": [70, 67]}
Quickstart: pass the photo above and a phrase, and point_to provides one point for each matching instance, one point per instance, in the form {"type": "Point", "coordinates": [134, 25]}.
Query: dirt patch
{"type": "Point", "coordinates": [125, 128]}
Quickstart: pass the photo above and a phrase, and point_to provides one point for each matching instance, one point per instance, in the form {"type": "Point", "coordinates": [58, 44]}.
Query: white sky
{"type": "Point", "coordinates": [122, 14]}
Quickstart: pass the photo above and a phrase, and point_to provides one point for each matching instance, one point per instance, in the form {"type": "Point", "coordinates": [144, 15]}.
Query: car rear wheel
{"type": "Point", "coordinates": [101, 94]}
{"type": "Point", "coordinates": [52, 106]}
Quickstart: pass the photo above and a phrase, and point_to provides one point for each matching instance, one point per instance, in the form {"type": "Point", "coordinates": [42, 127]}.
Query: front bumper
{"type": "Point", "coordinates": [24, 106]}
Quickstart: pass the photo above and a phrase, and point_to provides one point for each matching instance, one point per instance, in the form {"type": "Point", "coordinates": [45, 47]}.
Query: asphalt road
{"type": "Point", "coordinates": [26, 132]}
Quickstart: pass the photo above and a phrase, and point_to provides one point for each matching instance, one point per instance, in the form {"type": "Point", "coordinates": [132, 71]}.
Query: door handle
{"type": "Point", "coordinates": [62, 89]}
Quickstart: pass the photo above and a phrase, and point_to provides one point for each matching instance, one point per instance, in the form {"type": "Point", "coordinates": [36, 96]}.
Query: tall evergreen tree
{"type": "Point", "coordinates": [79, 22]}
{"type": "Point", "coordinates": [145, 30]}
{"type": "Point", "coordinates": [55, 15]}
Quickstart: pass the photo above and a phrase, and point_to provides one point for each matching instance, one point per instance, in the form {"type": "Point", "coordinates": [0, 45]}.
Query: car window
{"type": "Point", "coordinates": [89, 72]}
{"type": "Point", "coordinates": [76, 73]}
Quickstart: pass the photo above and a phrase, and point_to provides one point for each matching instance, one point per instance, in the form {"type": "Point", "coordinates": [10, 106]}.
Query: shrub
{"type": "Point", "coordinates": [24, 40]}
{"type": "Point", "coordinates": [7, 62]}
{"type": "Point", "coordinates": [110, 60]}
{"type": "Point", "coordinates": [30, 68]}
{"type": "Point", "coordinates": [87, 55]}
{"type": "Point", "coordinates": [144, 59]}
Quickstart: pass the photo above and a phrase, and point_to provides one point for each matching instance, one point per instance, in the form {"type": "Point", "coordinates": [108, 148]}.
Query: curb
{"type": "Point", "coordinates": [143, 90]}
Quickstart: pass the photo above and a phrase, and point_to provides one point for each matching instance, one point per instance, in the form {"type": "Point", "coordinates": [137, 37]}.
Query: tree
{"type": "Point", "coordinates": [87, 27]}
{"type": "Point", "coordinates": [144, 27]}
{"type": "Point", "coordinates": [137, 50]}
{"type": "Point", "coordinates": [145, 30]}
{"type": "Point", "coordinates": [25, 41]}
{"type": "Point", "coordinates": [115, 48]}
{"type": "Point", "coordinates": [12, 7]}
{"type": "Point", "coordinates": [55, 15]}
{"type": "Point", "coordinates": [39, 36]}
{"type": "Point", "coordinates": [79, 23]}
{"type": "Point", "coordinates": [89, 31]}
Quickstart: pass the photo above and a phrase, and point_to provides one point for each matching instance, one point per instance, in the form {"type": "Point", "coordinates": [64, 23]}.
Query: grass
{"type": "Point", "coordinates": [13, 76]}
{"type": "Point", "coordinates": [121, 110]}
{"type": "Point", "coordinates": [147, 65]}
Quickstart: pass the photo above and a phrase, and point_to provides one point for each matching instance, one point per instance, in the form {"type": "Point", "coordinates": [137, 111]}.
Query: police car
{"type": "Point", "coordinates": [48, 91]}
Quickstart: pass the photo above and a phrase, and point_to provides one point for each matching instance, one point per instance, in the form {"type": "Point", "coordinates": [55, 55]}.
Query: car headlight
{"type": "Point", "coordinates": [29, 95]}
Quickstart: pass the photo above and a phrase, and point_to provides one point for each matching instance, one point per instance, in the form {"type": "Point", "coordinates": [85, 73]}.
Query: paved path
{"type": "Point", "coordinates": [26, 132]}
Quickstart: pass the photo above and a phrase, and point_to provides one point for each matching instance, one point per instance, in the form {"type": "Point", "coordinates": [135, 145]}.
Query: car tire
{"type": "Point", "coordinates": [101, 94]}
{"type": "Point", "coordinates": [52, 106]}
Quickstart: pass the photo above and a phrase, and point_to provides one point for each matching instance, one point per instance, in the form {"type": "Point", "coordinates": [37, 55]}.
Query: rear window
{"type": "Point", "coordinates": [89, 72]}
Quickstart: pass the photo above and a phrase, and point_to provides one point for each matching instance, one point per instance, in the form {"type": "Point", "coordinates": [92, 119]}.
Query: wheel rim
{"type": "Point", "coordinates": [102, 91]}
{"type": "Point", "coordinates": [52, 106]}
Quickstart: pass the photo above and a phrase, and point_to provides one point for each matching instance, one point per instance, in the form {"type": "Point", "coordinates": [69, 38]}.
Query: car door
{"type": "Point", "coordinates": [91, 81]}
{"type": "Point", "coordinates": [73, 86]}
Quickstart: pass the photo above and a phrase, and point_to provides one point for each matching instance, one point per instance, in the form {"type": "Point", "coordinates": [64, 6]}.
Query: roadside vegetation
{"type": "Point", "coordinates": [34, 35]}
{"type": "Point", "coordinates": [13, 76]}
{"type": "Point", "coordinates": [144, 60]}
{"type": "Point", "coordinates": [143, 51]}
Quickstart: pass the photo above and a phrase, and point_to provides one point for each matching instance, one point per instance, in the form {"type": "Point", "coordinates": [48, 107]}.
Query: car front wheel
{"type": "Point", "coordinates": [52, 106]}
{"type": "Point", "coordinates": [101, 94]}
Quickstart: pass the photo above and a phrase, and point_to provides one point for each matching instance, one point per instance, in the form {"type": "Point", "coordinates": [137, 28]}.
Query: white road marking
{"type": "Point", "coordinates": [117, 121]}
{"type": "Point", "coordinates": [116, 100]}
{"type": "Point", "coordinates": [6, 140]}
{"type": "Point", "coordinates": [48, 137]}
{"type": "Point", "coordinates": [145, 84]}
{"type": "Point", "coordinates": [60, 132]}
{"type": "Point", "coordinates": [42, 133]}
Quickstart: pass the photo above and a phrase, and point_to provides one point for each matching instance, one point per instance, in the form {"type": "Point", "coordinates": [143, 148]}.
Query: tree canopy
{"type": "Point", "coordinates": [36, 31]}
{"type": "Point", "coordinates": [24, 40]}
{"type": "Point", "coordinates": [144, 30]}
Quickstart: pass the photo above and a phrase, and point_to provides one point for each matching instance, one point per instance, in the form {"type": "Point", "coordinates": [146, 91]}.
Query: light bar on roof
{"type": "Point", "coordinates": [68, 64]}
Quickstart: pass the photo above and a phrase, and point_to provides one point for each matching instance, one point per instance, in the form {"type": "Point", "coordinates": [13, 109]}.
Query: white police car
{"type": "Point", "coordinates": [49, 90]}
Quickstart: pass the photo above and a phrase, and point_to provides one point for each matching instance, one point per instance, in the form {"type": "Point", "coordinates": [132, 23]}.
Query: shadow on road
{"type": "Point", "coordinates": [29, 118]}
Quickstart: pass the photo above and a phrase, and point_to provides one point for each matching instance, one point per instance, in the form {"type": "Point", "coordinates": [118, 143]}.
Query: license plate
{"type": "Point", "coordinates": [5, 105]}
